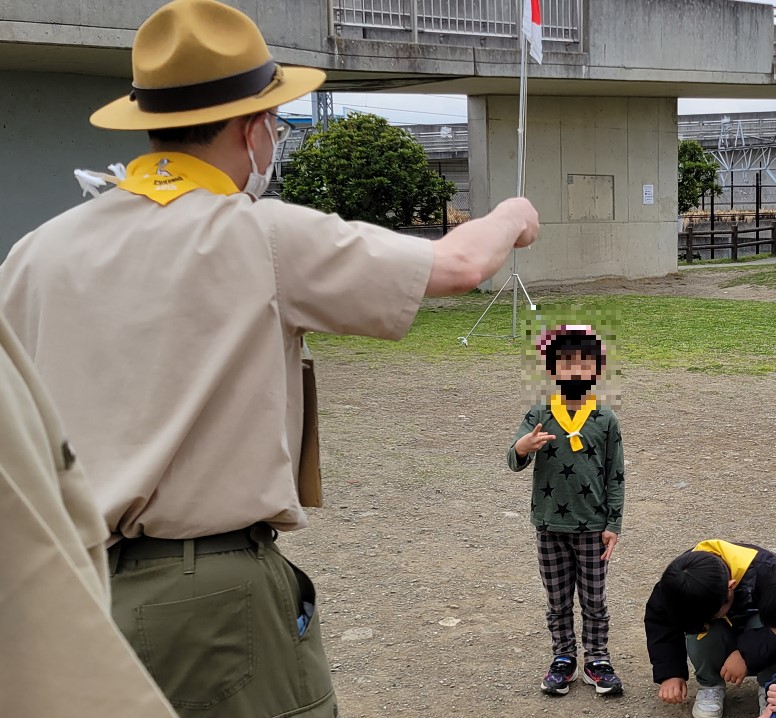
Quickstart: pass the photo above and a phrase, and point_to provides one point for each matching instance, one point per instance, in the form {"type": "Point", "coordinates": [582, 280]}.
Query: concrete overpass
{"type": "Point", "coordinates": [602, 126]}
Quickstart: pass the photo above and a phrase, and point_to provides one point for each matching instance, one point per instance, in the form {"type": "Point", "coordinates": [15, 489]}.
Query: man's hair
{"type": "Point", "coordinates": [589, 347]}
{"type": "Point", "coordinates": [191, 135]}
{"type": "Point", "coordinates": [695, 587]}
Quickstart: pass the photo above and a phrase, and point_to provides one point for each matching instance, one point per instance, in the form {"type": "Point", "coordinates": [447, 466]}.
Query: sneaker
{"type": "Point", "coordinates": [563, 670]}
{"type": "Point", "coordinates": [709, 702]}
{"type": "Point", "coordinates": [601, 675]}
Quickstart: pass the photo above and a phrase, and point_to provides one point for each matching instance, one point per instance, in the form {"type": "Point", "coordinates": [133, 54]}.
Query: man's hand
{"type": "Point", "coordinates": [609, 539]}
{"type": "Point", "coordinates": [771, 695]}
{"type": "Point", "coordinates": [522, 208]}
{"type": "Point", "coordinates": [734, 669]}
{"type": "Point", "coordinates": [532, 442]}
{"type": "Point", "coordinates": [673, 690]}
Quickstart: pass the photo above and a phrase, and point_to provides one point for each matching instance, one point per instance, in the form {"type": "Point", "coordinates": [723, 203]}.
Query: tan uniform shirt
{"type": "Point", "coordinates": [61, 653]}
{"type": "Point", "coordinates": [170, 340]}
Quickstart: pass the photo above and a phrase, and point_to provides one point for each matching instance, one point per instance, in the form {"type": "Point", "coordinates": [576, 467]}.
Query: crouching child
{"type": "Point", "coordinates": [706, 607]}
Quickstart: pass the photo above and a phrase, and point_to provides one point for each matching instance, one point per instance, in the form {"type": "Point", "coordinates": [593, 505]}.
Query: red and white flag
{"type": "Point", "coordinates": [532, 27]}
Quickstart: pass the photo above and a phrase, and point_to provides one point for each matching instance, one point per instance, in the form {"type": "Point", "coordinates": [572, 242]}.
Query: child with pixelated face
{"type": "Point", "coordinates": [576, 503]}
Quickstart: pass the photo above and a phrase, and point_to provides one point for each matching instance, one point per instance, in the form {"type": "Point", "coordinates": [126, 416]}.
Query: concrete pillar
{"type": "Point", "coordinates": [46, 135]}
{"type": "Point", "coordinates": [602, 171]}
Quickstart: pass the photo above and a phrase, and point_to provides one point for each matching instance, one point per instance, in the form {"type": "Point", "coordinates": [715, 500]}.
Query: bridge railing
{"type": "Point", "coordinates": [561, 19]}
{"type": "Point", "coordinates": [727, 132]}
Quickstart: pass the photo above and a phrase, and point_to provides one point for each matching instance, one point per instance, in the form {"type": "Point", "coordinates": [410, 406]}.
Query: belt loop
{"type": "Point", "coordinates": [255, 532]}
{"type": "Point", "coordinates": [114, 554]}
{"type": "Point", "coordinates": [188, 556]}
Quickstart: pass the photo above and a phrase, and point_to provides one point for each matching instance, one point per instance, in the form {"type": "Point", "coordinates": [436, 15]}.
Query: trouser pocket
{"type": "Point", "coordinates": [200, 650]}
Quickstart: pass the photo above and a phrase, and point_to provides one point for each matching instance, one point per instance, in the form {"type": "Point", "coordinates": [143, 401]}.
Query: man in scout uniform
{"type": "Point", "coordinates": [62, 654]}
{"type": "Point", "coordinates": [167, 317]}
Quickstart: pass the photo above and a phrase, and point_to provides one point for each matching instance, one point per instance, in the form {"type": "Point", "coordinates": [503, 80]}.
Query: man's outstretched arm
{"type": "Point", "coordinates": [476, 250]}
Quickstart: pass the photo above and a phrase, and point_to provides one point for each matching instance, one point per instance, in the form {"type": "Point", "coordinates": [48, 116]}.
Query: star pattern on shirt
{"type": "Point", "coordinates": [590, 451]}
{"type": "Point", "coordinates": [595, 414]}
{"type": "Point", "coordinates": [615, 514]}
{"type": "Point", "coordinates": [551, 451]}
{"type": "Point", "coordinates": [548, 491]}
{"type": "Point", "coordinates": [618, 438]}
{"type": "Point", "coordinates": [601, 471]}
{"type": "Point", "coordinates": [600, 509]}
{"type": "Point", "coordinates": [568, 470]}
{"type": "Point", "coordinates": [619, 477]}
{"type": "Point", "coordinates": [563, 509]}
{"type": "Point", "coordinates": [542, 527]}
{"type": "Point", "coordinates": [582, 526]}
{"type": "Point", "coordinates": [585, 491]}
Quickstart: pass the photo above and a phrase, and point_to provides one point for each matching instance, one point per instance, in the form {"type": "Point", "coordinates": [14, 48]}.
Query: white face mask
{"type": "Point", "coordinates": [258, 182]}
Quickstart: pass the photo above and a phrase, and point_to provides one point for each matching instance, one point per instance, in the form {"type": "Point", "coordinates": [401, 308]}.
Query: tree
{"type": "Point", "coordinates": [697, 175]}
{"type": "Point", "coordinates": [363, 168]}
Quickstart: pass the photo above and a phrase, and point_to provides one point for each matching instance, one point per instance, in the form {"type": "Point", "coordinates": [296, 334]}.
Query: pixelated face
{"type": "Point", "coordinates": [573, 365]}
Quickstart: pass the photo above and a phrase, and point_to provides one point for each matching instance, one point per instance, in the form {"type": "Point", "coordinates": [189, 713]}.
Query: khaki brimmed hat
{"type": "Point", "coordinates": [200, 61]}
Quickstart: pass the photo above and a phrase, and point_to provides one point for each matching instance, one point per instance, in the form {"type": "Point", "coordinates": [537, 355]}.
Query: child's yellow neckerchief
{"type": "Point", "coordinates": [165, 176]}
{"type": "Point", "coordinates": [569, 425]}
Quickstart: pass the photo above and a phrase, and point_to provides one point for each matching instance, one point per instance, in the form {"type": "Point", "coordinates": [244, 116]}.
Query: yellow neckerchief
{"type": "Point", "coordinates": [165, 176]}
{"type": "Point", "coordinates": [572, 426]}
{"type": "Point", "coordinates": [737, 558]}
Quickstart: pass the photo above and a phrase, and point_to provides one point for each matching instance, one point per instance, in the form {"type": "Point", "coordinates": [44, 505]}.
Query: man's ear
{"type": "Point", "coordinates": [731, 584]}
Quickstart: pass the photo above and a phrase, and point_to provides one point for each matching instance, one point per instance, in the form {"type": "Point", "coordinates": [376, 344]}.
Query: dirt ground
{"type": "Point", "coordinates": [424, 522]}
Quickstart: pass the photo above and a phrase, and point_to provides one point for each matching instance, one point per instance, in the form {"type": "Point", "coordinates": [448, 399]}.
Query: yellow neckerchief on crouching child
{"type": "Point", "coordinates": [569, 425]}
{"type": "Point", "coordinates": [165, 176]}
{"type": "Point", "coordinates": [737, 558]}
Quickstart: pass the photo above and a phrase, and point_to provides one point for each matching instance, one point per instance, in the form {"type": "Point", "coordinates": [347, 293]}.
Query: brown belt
{"type": "Point", "coordinates": [147, 547]}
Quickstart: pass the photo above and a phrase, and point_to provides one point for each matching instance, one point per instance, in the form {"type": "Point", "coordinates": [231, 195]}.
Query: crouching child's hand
{"type": "Point", "coordinates": [734, 669]}
{"type": "Point", "coordinates": [673, 690]}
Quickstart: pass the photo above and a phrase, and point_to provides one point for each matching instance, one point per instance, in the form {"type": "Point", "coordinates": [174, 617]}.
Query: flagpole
{"type": "Point", "coordinates": [523, 31]}
{"type": "Point", "coordinates": [521, 146]}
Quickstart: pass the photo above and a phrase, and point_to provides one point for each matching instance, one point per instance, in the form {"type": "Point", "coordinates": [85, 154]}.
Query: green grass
{"type": "Point", "coordinates": [741, 260]}
{"type": "Point", "coordinates": [701, 335]}
{"type": "Point", "coordinates": [762, 278]}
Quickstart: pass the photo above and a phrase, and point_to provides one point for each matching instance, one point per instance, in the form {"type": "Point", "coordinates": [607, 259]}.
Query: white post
{"type": "Point", "coordinates": [414, 20]}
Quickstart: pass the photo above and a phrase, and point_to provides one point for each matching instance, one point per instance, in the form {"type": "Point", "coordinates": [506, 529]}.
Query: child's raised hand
{"type": "Point", "coordinates": [532, 442]}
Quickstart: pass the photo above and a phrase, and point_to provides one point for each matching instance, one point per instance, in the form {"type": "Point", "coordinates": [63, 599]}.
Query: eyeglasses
{"type": "Point", "coordinates": [283, 127]}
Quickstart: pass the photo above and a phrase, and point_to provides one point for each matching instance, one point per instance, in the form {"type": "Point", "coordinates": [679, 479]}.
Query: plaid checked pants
{"type": "Point", "coordinates": [566, 561]}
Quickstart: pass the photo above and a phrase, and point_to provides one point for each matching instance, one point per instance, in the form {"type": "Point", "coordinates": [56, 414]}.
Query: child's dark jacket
{"type": "Point", "coordinates": [666, 639]}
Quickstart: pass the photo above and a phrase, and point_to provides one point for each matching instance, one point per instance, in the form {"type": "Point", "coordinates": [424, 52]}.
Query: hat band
{"type": "Point", "coordinates": [205, 94]}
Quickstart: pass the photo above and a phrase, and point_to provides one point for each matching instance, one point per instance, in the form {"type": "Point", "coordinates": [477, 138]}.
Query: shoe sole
{"type": "Point", "coordinates": [609, 690]}
{"type": "Point", "coordinates": [699, 713]}
{"type": "Point", "coordinates": [551, 691]}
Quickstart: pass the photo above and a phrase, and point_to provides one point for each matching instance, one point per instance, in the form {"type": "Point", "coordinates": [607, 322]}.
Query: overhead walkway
{"type": "Point", "coordinates": [602, 125]}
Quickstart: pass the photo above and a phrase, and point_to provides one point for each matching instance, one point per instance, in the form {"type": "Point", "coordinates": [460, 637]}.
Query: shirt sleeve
{"type": "Point", "coordinates": [665, 641]}
{"type": "Point", "coordinates": [526, 427]}
{"type": "Point", "coordinates": [344, 277]}
{"type": "Point", "coordinates": [615, 476]}
{"type": "Point", "coordinates": [758, 645]}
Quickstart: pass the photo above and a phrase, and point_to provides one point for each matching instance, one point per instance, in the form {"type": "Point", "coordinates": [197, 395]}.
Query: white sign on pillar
{"type": "Point", "coordinates": [649, 194]}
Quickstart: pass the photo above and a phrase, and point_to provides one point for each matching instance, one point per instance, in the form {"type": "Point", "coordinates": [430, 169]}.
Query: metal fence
{"type": "Point", "coordinates": [561, 19]}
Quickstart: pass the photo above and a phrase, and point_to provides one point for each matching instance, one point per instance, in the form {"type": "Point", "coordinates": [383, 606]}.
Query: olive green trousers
{"type": "Point", "coordinates": [220, 633]}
